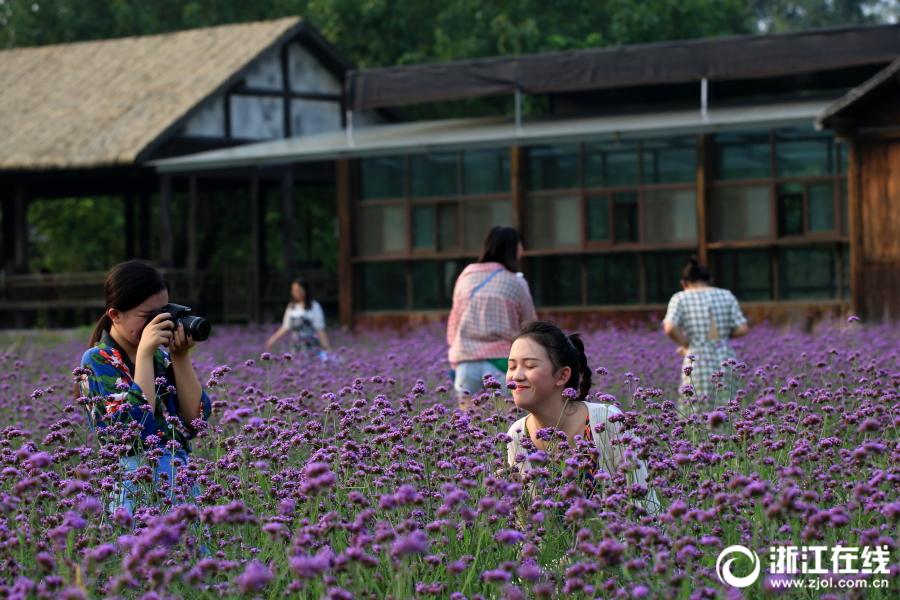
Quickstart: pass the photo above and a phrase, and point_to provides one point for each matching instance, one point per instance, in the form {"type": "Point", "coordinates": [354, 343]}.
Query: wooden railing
{"type": "Point", "coordinates": [81, 290]}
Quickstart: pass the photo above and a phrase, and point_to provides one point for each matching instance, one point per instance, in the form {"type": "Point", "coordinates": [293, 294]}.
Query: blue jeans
{"type": "Point", "coordinates": [128, 491]}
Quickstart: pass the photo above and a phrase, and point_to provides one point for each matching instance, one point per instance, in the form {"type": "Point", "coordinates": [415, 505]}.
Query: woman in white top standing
{"type": "Point", "coordinates": [701, 319]}
{"type": "Point", "coordinates": [305, 321]}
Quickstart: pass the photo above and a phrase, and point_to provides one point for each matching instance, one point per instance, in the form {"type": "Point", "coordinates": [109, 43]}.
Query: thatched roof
{"type": "Point", "coordinates": [103, 103]}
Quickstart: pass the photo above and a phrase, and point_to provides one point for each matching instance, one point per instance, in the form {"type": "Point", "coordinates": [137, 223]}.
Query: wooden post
{"type": "Point", "coordinates": [518, 170]}
{"type": "Point", "coordinates": [258, 261]}
{"type": "Point", "coordinates": [191, 262]}
{"type": "Point", "coordinates": [166, 237]}
{"type": "Point", "coordinates": [344, 195]}
{"type": "Point", "coordinates": [704, 163]}
{"type": "Point", "coordinates": [9, 232]}
{"type": "Point", "coordinates": [287, 221]}
{"type": "Point", "coordinates": [20, 249]}
{"type": "Point", "coordinates": [143, 229]}
{"type": "Point", "coordinates": [857, 260]}
{"type": "Point", "coordinates": [129, 225]}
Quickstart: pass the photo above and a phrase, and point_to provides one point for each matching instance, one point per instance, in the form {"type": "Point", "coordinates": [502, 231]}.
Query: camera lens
{"type": "Point", "coordinates": [197, 327]}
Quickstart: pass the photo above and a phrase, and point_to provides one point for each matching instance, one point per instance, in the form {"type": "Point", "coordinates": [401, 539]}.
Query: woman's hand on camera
{"type": "Point", "coordinates": [181, 343]}
{"type": "Point", "coordinates": [158, 332]}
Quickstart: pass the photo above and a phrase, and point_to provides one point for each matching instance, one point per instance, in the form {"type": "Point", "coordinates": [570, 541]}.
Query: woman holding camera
{"type": "Point", "coordinates": [130, 379]}
{"type": "Point", "coordinates": [305, 321]}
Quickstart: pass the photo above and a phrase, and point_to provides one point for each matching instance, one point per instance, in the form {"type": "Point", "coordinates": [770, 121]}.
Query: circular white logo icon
{"type": "Point", "coordinates": [724, 570]}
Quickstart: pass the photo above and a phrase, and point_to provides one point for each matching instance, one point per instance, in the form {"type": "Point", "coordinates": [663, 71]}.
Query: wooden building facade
{"type": "Point", "coordinates": [84, 119]}
{"type": "Point", "coordinates": [645, 155]}
{"type": "Point", "coordinates": [867, 119]}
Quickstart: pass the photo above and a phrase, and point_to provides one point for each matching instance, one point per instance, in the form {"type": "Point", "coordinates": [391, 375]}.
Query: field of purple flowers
{"type": "Point", "coordinates": [356, 478]}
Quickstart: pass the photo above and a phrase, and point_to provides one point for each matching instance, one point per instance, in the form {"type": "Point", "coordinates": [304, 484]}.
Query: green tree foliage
{"type": "Point", "coordinates": [75, 234]}
{"type": "Point", "coordinates": [378, 33]}
{"type": "Point", "coordinates": [389, 32]}
{"type": "Point", "coordinates": [792, 15]}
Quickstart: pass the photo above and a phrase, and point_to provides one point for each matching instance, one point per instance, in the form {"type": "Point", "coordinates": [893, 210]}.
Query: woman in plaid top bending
{"type": "Point", "coordinates": [490, 304]}
{"type": "Point", "coordinates": [701, 319]}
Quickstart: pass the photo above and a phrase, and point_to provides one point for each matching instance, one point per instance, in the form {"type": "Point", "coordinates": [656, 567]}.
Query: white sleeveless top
{"type": "Point", "coordinates": [611, 457]}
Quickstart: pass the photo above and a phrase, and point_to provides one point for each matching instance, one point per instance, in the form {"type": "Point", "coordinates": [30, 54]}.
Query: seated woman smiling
{"type": "Point", "coordinates": [547, 367]}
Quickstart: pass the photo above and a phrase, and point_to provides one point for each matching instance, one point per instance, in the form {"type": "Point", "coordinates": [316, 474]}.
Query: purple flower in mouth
{"type": "Point", "coordinates": [254, 578]}
{"type": "Point", "coordinates": [716, 418]}
{"type": "Point", "coordinates": [509, 537]}
{"type": "Point", "coordinates": [414, 543]}
{"type": "Point", "coordinates": [496, 576]}
{"type": "Point", "coordinates": [308, 567]}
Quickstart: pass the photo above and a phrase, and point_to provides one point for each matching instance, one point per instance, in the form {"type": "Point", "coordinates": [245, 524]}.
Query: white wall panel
{"type": "Point", "coordinates": [308, 75]}
{"type": "Point", "coordinates": [309, 117]}
{"type": "Point", "coordinates": [256, 117]}
{"type": "Point", "coordinates": [209, 121]}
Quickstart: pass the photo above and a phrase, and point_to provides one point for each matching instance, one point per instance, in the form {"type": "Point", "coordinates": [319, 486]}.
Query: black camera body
{"type": "Point", "coordinates": [197, 328]}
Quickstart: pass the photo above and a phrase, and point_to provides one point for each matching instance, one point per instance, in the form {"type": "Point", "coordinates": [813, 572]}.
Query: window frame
{"type": "Point", "coordinates": [409, 202]}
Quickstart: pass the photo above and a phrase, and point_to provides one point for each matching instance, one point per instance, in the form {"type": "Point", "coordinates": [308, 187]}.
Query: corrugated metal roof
{"type": "Point", "coordinates": [682, 61]}
{"type": "Point", "coordinates": [453, 134]}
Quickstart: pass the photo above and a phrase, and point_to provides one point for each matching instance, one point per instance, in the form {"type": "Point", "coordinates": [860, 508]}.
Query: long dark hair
{"type": "Point", "coordinates": [307, 295]}
{"type": "Point", "coordinates": [694, 272]}
{"type": "Point", "coordinates": [127, 285]}
{"type": "Point", "coordinates": [564, 351]}
{"type": "Point", "coordinates": [501, 245]}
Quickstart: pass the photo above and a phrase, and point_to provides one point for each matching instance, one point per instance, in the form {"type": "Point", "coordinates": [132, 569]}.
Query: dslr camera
{"type": "Point", "coordinates": [196, 327]}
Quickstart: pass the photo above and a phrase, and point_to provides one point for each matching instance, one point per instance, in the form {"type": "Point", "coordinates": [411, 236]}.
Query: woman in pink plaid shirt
{"type": "Point", "coordinates": [491, 302]}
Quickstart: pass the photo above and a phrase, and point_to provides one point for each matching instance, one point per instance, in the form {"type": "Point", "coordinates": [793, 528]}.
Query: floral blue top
{"type": "Point", "coordinates": [108, 380]}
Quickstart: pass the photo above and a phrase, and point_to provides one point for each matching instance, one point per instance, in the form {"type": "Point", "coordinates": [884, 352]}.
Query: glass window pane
{"type": "Point", "coordinates": [670, 216]}
{"type": "Point", "coordinates": [382, 177]}
{"type": "Point", "coordinates": [740, 213]}
{"type": "Point", "coordinates": [487, 171]}
{"type": "Point", "coordinates": [481, 216]}
{"type": "Point", "coordinates": [747, 273]}
{"type": "Point", "coordinates": [423, 227]}
{"type": "Point", "coordinates": [821, 207]}
{"type": "Point", "coordinates": [807, 273]}
{"type": "Point", "coordinates": [433, 282]}
{"type": "Point", "coordinates": [448, 226]}
{"type": "Point", "coordinates": [625, 217]}
{"type": "Point", "coordinates": [384, 286]}
{"type": "Point", "coordinates": [610, 164]}
{"type": "Point", "coordinates": [435, 174]}
{"type": "Point", "coordinates": [426, 284]}
{"type": "Point", "coordinates": [382, 230]}
{"type": "Point", "coordinates": [554, 167]}
{"type": "Point", "coordinates": [613, 279]}
{"type": "Point", "coordinates": [598, 226]}
{"type": "Point", "coordinates": [845, 209]}
{"type": "Point", "coordinates": [803, 152]}
{"type": "Point", "coordinates": [663, 274]}
{"type": "Point", "coordinates": [670, 160]}
{"type": "Point", "coordinates": [843, 158]}
{"type": "Point", "coordinates": [556, 280]}
{"type": "Point", "coordinates": [744, 155]}
{"type": "Point", "coordinates": [552, 222]}
{"type": "Point", "coordinates": [790, 209]}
